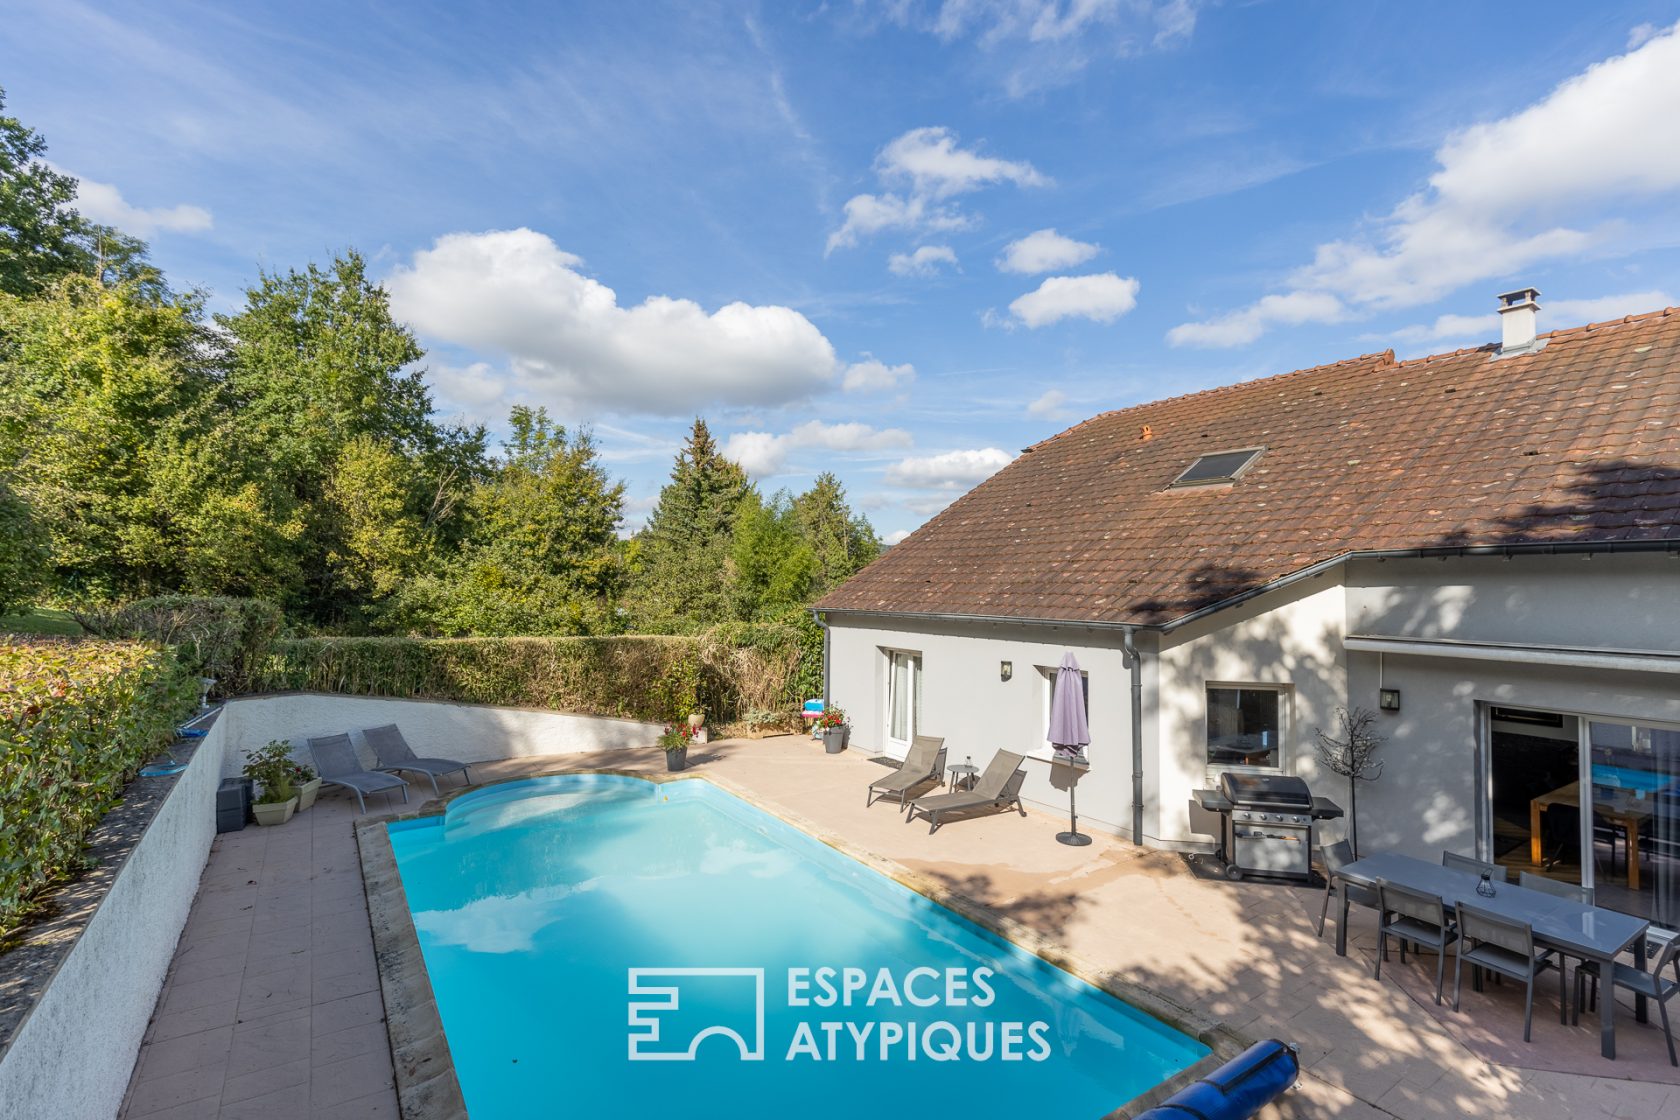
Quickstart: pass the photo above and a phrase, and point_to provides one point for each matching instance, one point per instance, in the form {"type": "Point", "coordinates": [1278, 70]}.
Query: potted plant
{"type": "Point", "coordinates": [674, 741]}
{"type": "Point", "coordinates": [274, 772]}
{"type": "Point", "coordinates": [308, 785]}
{"type": "Point", "coordinates": [834, 729]}
{"type": "Point", "coordinates": [697, 724]}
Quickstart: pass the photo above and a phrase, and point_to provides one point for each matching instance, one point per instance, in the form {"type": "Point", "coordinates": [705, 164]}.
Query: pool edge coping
{"type": "Point", "coordinates": [416, 1028]}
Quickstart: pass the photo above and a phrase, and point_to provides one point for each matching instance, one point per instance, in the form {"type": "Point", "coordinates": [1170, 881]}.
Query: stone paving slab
{"type": "Point", "coordinates": [272, 1006]}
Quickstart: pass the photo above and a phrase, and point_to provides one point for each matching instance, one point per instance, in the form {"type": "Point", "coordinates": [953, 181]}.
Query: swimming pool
{"type": "Point", "coordinates": [602, 944]}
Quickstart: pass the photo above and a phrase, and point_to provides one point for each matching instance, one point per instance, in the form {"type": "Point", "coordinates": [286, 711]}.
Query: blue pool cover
{"type": "Point", "coordinates": [601, 945]}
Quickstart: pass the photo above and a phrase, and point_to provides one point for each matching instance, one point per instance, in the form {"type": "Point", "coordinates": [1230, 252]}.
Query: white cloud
{"type": "Point", "coordinates": [104, 203]}
{"type": "Point", "coordinates": [1238, 328]}
{"type": "Point", "coordinates": [761, 453]}
{"type": "Point", "coordinates": [569, 342]}
{"type": "Point", "coordinates": [1102, 297]}
{"type": "Point", "coordinates": [874, 375]}
{"type": "Point", "coordinates": [1553, 314]}
{"type": "Point", "coordinates": [923, 169]}
{"type": "Point", "coordinates": [895, 537]}
{"type": "Point", "coordinates": [1049, 405]}
{"type": "Point", "coordinates": [1642, 34]}
{"type": "Point", "coordinates": [949, 470]}
{"type": "Point", "coordinates": [1531, 186]}
{"type": "Point", "coordinates": [925, 261]}
{"type": "Point", "coordinates": [1045, 250]}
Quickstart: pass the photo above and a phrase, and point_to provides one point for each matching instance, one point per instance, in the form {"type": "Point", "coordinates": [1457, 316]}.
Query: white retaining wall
{"type": "Point", "coordinates": [71, 1058]}
{"type": "Point", "coordinates": [434, 728]}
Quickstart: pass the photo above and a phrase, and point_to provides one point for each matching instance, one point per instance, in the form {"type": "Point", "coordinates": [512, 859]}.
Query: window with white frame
{"type": "Point", "coordinates": [1246, 725]}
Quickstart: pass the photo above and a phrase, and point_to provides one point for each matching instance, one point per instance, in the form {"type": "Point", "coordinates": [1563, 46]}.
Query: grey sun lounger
{"type": "Point", "coordinates": [925, 760]}
{"type": "Point", "coordinates": [336, 762]}
{"type": "Point", "coordinates": [999, 787]}
{"type": "Point", "coordinates": [391, 752]}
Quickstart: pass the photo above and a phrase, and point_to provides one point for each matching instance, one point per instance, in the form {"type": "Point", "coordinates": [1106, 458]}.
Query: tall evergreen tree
{"type": "Point", "coordinates": [842, 542]}
{"type": "Point", "coordinates": [681, 572]}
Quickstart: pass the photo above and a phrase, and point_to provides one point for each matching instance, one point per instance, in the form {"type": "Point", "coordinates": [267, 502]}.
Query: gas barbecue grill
{"type": "Point", "coordinates": [1266, 823]}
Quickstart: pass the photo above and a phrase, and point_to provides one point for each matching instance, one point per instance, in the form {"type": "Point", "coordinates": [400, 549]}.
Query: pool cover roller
{"type": "Point", "coordinates": [1236, 1090]}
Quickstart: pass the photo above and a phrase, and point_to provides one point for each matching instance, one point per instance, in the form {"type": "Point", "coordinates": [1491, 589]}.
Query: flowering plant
{"type": "Point", "coordinates": [831, 717]}
{"type": "Point", "coordinates": [676, 736]}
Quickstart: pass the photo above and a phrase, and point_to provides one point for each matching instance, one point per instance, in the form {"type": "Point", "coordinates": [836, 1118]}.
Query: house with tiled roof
{"type": "Point", "coordinates": [1482, 548]}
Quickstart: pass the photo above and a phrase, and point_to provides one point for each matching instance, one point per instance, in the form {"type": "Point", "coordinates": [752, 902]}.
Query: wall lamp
{"type": "Point", "coordinates": [1006, 669]}
{"type": "Point", "coordinates": [1388, 699]}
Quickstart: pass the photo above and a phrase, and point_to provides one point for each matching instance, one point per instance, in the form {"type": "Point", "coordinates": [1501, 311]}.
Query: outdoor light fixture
{"type": "Point", "coordinates": [1006, 669]}
{"type": "Point", "coordinates": [1388, 699]}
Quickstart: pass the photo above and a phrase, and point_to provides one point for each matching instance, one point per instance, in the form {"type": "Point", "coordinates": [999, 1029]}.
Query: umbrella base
{"type": "Point", "coordinates": [1073, 839]}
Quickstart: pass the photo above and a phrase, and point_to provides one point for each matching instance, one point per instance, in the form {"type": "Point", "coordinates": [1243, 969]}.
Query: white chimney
{"type": "Point", "coordinates": [1517, 320]}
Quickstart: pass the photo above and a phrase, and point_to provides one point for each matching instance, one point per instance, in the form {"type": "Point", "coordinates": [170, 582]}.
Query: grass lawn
{"type": "Point", "coordinates": [41, 620]}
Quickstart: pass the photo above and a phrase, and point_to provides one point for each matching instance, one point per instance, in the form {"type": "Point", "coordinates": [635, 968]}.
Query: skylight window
{"type": "Point", "coordinates": [1221, 466]}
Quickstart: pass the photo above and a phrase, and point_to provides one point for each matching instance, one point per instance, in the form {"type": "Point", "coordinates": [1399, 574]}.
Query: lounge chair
{"type": "Point", "coordinates": [999, 787]}
{"type": "Point", "coordinates": [391, 752]}
{"type": "Point", "coordinates": [336, 762]}
{"type": "Point", "coordinates": [925, 760]}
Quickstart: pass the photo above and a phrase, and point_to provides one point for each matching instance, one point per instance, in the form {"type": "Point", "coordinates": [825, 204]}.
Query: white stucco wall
{"type": "Point", "coordinates": [1291, 639]}
{"type": "Point", "coordinates": [71, 1058]}
{"type": "Point", "coordinates": [1621, 601]}
{"type": "Point", "coordinates": [471, 733]}
{"type": "Point", "coordinates": [978, 714]}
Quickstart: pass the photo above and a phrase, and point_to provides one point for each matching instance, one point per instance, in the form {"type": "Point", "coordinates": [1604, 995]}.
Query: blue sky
{"type": "Point", "coordinates": [900, 240]}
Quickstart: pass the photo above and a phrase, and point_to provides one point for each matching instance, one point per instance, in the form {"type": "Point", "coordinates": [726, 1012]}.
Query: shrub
{"type": "Point", "coordinates": [272, 768]}
{"type": "Point", "coordinates": [77, 718]}
{"type": "Point", "coordinates": [214, 635]}
{"type": "Point", "coordinates": [658, 678]}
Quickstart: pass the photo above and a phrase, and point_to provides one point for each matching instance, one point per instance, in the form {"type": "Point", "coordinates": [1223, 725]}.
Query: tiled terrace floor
{"type": "Point", "coordinates": [272, 1006]}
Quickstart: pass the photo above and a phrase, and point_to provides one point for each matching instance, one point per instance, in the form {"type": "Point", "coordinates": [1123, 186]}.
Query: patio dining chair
{"type": "Point", "coordinates": [1337, 856]}
{"type": "Point", "coordinates": [1473, 865]}
{"type": "Point", "coordinates": [1496, 944]}
{"type": "Point", "coordinates": [1663, 947]}
{"type": "Point", "coordinates": [1414, 918]}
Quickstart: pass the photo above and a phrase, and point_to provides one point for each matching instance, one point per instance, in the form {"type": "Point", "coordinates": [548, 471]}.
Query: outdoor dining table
{"type": "Point", "coordinates": [1588, 932]}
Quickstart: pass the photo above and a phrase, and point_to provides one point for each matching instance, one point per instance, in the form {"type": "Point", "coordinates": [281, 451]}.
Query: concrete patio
{"type": "Point", "coordinates": [272, 1006]}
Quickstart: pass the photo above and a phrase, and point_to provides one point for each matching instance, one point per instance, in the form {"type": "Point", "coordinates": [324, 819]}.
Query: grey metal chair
{"type": "Point", "coordinates": [1496, 944]}
{"type": "Point", "coordinates": [391, 752]}
{"type": "Point", "coordinates": [1474, 866]}
{"type": "Point", "coordinates": [1337, 856]}
{"type": "Point", "coordinates": [1574, 892]}
{"type": "Point", "coordinates": [998, 787]}
{"type": "Point", "coordinates": [336, 762]}
{"type": "Point", "coordinates": [1663, 947]}
{"type": "Point", "coordinates": [1417, 919]}
{"type": "Point", "coordinates": [924, 761]}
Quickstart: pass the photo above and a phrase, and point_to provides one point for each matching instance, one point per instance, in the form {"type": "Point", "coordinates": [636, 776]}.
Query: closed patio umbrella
{"type": "Point", "coordinates": [1070, 731]}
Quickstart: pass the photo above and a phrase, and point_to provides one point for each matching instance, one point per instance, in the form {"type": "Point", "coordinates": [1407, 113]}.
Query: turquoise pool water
{"type": "Point", "coordinates": [1623, 777]}
{"type": "Point", "coordinates": [535, 901]}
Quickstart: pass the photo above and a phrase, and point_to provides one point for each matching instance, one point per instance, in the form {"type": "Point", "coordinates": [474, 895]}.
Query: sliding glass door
{"type": "Point", "coordinates": [1589, 800]}
{"type": "Point", "coordinates": [904, 699]}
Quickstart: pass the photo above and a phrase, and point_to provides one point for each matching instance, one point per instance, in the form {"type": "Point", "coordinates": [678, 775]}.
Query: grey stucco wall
{"type": "Point", "coordinates": [1623, 601]}
{"type": "Point", "coordinates": [471, 733]}
{"type": "Point", "coordinates": [72, 1057]}
{"type": "Point", "coordinates": [977, 713]}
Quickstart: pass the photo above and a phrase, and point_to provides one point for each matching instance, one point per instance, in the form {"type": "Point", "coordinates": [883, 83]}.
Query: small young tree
{"type": "Point", "coordinates": [1352, 754]}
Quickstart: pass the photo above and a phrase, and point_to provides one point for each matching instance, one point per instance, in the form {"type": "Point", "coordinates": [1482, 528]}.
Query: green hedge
{"type": "Point", "coordinates": [727, 671]}
{"type": "Point", "coordinates": [77, 719]}
{"type": "Point", "coordinates": [214, 635]}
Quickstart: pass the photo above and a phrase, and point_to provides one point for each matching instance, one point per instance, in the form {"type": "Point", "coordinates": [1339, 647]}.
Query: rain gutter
{"type": "Point", "coordinates": [1134, 661]}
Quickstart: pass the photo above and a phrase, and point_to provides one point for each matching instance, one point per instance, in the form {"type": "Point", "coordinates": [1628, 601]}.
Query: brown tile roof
{"type": "Point", "coordinates": [1578, 442]}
